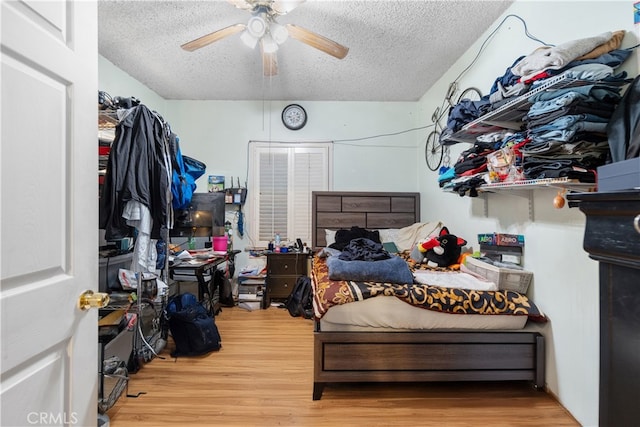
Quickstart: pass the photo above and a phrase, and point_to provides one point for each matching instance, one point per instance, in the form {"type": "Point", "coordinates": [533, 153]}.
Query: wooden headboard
{"type": "Point", "coordinates": [334, 210]}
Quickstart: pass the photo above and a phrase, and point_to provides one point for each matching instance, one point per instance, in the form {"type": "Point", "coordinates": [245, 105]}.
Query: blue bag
{"type": "Point", "coordinates": [185, 171]}
{"type": "Point", "coordinates": [193, 330]}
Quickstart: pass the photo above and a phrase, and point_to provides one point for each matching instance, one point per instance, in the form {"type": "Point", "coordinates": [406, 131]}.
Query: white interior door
{"type": "Point", "coordinates": [49, 213]}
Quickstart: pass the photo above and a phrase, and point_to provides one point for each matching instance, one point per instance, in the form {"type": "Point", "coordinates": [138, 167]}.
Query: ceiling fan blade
{"type": "Point", "coordinates": [282, 7]}
{"type": "Point", "coordinates": [213, 37]}
{"type": "Point", "coordinates": [242, 4]}
{"type": "Point", "coordinates": [317, 41]}
{"type": "Point", "coordinates": [269, 63]}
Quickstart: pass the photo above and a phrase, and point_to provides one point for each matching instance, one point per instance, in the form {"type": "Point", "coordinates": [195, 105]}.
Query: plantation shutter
{"type": "Point", "coordinates": [310, 173]}
{"type": "Point", "coordinates": [284, 177]}
{"type": "Point", "coordinates": [273, 203]}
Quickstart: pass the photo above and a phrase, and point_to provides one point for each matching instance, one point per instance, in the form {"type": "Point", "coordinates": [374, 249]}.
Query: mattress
{"type": "Point", "coordinates": [388, 314]}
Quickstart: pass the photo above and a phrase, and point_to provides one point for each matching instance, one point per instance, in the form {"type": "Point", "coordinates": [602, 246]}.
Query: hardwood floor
{"type": "Point", "coordinates": [263, 376]}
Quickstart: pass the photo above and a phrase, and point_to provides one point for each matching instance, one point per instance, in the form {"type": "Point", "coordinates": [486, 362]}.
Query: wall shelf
{"type": "Point", "coordinates": [526, 188]}
{"type": "Point", "coordinates": [530, 184]}
{"type": "Point", "coordinates": [509, 116]}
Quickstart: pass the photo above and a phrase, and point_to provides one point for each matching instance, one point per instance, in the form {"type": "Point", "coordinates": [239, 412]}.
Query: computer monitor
{"type": "Point", "coordinates": [205, 217]}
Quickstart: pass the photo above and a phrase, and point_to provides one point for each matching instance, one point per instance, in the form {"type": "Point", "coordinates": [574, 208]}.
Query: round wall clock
{"type": "Point", "coordinates": [294, 117]}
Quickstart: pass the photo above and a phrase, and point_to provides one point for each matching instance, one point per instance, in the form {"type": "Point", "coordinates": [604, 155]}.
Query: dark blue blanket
{"type": "Point", "coordinates": [391, 270]}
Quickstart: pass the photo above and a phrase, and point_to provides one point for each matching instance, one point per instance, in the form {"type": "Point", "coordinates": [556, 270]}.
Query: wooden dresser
{"type": "Point", "coordinates": [612, 237]}
{"type": "Point", "coordinates": [283, 269]}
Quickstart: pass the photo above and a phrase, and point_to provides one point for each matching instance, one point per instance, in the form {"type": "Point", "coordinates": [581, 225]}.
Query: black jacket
{"type": "Point", "coordinates": [624, 128]}
{"type": "Point", "coordinates": [136, 171]}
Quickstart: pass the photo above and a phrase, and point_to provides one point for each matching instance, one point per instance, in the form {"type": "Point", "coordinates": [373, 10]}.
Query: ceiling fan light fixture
{"type": "Point", "coordinates": [257, 26]}
{"type": "Point", "coordinates": [268, 44]}
{"type": "Point", "coordinates": [278, 32]}
{"type": "Point", "coordinates": [249, 40]}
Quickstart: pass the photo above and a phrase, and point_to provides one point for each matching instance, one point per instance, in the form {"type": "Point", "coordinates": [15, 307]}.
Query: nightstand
{"type": "Point", "coordinates": [283, 269]}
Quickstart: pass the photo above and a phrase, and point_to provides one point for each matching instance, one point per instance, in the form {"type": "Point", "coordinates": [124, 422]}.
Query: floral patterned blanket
{"type": "Point", "coordinates": [327, 293]}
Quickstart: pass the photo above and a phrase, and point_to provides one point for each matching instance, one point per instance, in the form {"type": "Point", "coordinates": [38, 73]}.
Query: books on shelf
{"type": "Point", "coordinates": [250, 291]}
{"type": "Point", "coordinates": [249, 297]}
{"type": "Point", "coordinates": [251, 281]}
{"type": "Point", "coordinates": [189, 277]}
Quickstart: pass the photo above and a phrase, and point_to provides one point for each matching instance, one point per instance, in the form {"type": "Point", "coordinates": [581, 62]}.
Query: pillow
{"type": "Point", "coordinates": [329, 236]}
{"type": "Point", "coordinates": [463, 279]}
{"type": "Point", "coordinates": [388, 235]}
{"type": "Point", "coordinates": [410, 236]}
{"type": "Point", "coordinates": [343, 237]}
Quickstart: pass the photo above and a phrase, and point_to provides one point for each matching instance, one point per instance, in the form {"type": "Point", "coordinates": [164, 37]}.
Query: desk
{"type": "Point", "coordinates": [202, 271]}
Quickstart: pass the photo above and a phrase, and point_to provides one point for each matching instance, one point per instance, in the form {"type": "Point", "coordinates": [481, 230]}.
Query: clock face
{"type": "Point", "coordinates": [294, 117]}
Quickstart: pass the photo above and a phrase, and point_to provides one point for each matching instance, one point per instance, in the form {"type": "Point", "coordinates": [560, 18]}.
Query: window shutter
{"type": "Point", "coordinates": [310, 174]}
{"type": "Point", "coordinates": [282, 180]}
{"type": "Point", "coordinates": [273, 205]}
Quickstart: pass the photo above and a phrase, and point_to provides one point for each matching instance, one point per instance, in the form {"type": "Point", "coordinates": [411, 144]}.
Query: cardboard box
{"type": "Point", "coordinates": [624, 175]}
{"type": "Point", "coordinates": [487, 239]}
{"type": "Point", "coordinates": [506, 278]}
{"type": "Point", "coordinates": [501, 239]}
{"type": "Point", "coordinates": [108, 268]}
{"type": "Point", "coordinates": [510, 240]}
{"type": "Point", "coordinates": [511, 254]}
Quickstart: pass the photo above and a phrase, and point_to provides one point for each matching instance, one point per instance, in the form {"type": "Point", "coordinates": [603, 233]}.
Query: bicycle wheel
{"type": "Point", "coordinates": [470, 93]}
{"type": "Point", "coordinates": [433, 151]}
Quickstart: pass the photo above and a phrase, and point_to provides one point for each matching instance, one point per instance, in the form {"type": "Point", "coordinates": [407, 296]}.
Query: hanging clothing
{"type": "Point", "coordinates": [624, 127]}
{"type": "Point", "coordinates": [138, 171]}
{"type": "Point", "coordinates": [144, 254]}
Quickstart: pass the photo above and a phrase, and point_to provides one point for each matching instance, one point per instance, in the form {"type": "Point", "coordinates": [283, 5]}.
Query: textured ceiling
{"type": "Point", "coordinates": [397, 49]}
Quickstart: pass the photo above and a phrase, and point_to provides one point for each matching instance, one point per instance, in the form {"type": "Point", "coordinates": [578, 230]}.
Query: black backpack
{"type": "Point", "coordinates": [225, 293]}
{"type": "Point", "coordinates": [300, 301]}
{"type": "Point", "coordinates": [193, 330]}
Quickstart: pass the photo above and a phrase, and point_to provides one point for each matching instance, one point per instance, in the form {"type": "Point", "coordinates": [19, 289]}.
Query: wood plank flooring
{"type": "Point", "coordinates": [263, 376]}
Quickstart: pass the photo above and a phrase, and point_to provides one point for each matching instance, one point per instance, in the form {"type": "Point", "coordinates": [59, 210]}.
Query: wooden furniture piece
{"type": "Point", "coordinates": [612, 237]}
{"type": "Point", "coordinates": [283, 270]}
{"type": "Point", "coordinates": [372, 210]}
{"type": "Point", "coordinates": [441, 355]}
{"type": "Point", "coordinates": [202, 272]}
{"type": "Point", "coordinates": [426, 356]}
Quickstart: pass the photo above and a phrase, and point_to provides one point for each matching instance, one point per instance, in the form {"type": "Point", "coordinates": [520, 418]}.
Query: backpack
{"type": "Point", "coordinates": [225, 291]}
{"type": "Point", "coordinates": [193, 330]}
{"type": "Point", "coordinates": [300, 301]}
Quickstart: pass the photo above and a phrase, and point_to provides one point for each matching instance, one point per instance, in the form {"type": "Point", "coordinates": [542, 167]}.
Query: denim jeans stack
{"type": "Point", "coordinates": [567, 130]}
{"type": "Point", "coordinates": [564, 132]}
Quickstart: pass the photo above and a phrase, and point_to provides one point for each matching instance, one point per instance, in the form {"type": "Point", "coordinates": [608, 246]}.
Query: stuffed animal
{"type": "Point", "coordinates": [441, 251]}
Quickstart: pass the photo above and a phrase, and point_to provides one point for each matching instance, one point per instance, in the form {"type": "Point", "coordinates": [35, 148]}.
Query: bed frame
{"type": "Point", "coordinates": [342, 357]}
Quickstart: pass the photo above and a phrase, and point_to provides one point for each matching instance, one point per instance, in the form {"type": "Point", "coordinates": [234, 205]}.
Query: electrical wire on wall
{"type": "Point", "coordinates": [353, 141]}
{"type": "Point", "coordinates": [490, 36]}
{"type": "Point", "coordinates": [442, 109]}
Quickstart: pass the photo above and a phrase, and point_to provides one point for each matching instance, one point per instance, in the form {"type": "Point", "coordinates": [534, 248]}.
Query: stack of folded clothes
{"type": "Point", "coordinates": [564, 130]}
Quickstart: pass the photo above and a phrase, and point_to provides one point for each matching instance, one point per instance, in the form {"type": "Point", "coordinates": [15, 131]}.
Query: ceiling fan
{"type": "Point", "coordinates": [263, 28]}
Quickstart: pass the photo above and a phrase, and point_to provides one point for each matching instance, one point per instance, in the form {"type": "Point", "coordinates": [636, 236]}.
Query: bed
{"type": "Point", "coordinates": [345, 353]}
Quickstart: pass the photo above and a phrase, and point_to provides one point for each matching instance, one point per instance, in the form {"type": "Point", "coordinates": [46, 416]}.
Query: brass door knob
{"type": "Point", "coordinates": [89, 299]}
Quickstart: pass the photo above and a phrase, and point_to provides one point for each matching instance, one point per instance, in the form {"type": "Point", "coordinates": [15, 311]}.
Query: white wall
{"type": "Point", "coordinates": [218, 132]}
{"type": "Point", "coordinates": [115, 82]}
{"type": "Point", "coordinates": [566, 280]}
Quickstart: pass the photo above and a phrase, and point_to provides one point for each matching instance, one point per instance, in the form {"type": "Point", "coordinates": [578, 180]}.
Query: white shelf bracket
{"type": "Point", "coordinates": [527, 194]}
